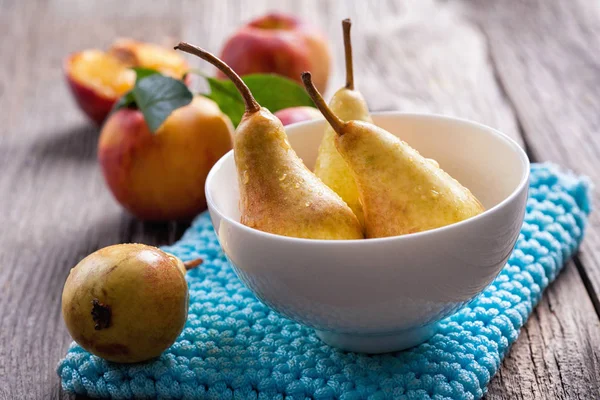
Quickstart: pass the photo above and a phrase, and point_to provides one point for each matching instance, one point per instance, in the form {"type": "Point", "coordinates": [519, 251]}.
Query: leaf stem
{"type": "Point", "coordinates": [336, 123]}
{"type": "Point", "coordinates": [251, 104]}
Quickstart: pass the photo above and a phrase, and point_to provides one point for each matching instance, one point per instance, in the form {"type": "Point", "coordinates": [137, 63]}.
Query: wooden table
{"type": "Point", "coordinates": [530, 68]}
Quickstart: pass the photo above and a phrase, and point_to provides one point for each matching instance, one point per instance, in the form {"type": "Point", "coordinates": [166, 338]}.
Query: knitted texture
{"type": "Point", "coordinates": [235, 347]}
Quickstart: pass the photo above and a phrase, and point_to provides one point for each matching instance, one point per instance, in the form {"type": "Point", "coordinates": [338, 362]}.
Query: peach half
{"type": "Point", "coordinates": [97, 79]}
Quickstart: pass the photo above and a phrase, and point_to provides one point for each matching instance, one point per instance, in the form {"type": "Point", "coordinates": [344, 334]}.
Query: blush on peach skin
{"type": "Point", "coordinates": [160, 176]}
{"type": "Point", "coordinates": [281, 44]}
{"type": "Point", "coordinates": [292, 115]}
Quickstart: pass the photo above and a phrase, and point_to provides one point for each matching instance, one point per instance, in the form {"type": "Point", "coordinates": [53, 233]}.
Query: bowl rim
{"type": "Point", "coordinates": [412, 236]}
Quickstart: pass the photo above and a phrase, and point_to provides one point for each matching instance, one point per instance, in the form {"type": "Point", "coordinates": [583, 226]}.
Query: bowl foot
{"type": "Point", "coordinates": [375, 344]}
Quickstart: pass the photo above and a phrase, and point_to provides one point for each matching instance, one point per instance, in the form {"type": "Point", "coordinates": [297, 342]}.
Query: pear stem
{"type": "Point", "coordinates": [252, 105]}
{"type": "Point", "coordinates": [191, 264]}
{"type": "Point", "coordinates": [336, 123]}
{"type": "Point", "coordinates": [346, 25]}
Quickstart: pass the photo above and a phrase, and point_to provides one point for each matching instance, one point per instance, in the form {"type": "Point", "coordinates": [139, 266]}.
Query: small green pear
{"type": "Point", "coordinates": [278, 193]}
{"type": "Point", "coordinates": [348, 104]}
{"type": "Point", "coordinates": [401, 191]}
{"type": "Point", "coordinates": [126, 303]}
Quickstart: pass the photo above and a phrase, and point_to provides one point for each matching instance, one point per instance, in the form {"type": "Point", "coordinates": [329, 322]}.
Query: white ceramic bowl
{"type": "Point", "coordinates": [387, 294]}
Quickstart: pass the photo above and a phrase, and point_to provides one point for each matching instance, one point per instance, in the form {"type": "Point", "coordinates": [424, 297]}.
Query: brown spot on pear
{"type": "Point", "coordinates": [126, 303]}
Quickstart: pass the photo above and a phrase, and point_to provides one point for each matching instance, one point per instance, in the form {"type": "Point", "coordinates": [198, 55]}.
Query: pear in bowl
{"type": "Point", "coordinates": [384, 294]}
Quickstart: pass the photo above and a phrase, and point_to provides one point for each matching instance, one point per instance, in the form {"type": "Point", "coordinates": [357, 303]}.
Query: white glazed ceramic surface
{"type": "Point", "coordinates": [385, 294]}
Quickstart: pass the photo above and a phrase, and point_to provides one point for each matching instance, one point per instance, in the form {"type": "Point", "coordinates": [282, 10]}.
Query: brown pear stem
{"type": "Point", "coordinates": [336, 123]}
{"type": "Point", "coordinates": [346, 25]}
{"type": "Point", "coordinates": [191, 264]}
{"type": "Point", "coordinates": [251, 104]}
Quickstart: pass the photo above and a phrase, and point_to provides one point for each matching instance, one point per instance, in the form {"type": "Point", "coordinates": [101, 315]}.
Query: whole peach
{"type": "Point", "coordinates": [160, 176]}
{"type": "Point", "coordinates": [281, 44]}
{"type": "Point", "coordinates": [292, 115]}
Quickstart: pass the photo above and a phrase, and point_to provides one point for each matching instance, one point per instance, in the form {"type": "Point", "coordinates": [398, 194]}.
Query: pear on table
{"type": "Point", "coordinates": [401, 191]}
{"type": "Point", "coordinates": [278, 193]}
{"type": "Point", "coordinates": [348, 104]}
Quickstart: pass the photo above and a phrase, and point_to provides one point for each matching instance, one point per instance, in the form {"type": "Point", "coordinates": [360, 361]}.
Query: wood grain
{"type": "Point", "coordinates": [411, 56]}
{"type": "Point", "coordinates": [556, 355]}
{"type": "Point", "coordinates": [544, 54]}
{"type": "Point", "coordinates": [554, 83]}
{"type": "Point", "coordinates": [54, 207]}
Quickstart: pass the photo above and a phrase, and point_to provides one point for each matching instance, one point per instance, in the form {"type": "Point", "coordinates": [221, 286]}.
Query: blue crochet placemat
{"type": "Point", "coordinates": [234, 347]}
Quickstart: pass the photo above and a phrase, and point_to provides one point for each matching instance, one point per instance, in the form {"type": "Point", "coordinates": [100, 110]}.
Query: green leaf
{"type": "Point", "coordinates": [270, 91]}
{"type": "Point", "coordinates": [157, 96]}
{"type": "Point", "coordinates": [141, 72]}
{"type": "Point", "coordinates": [126, 101]}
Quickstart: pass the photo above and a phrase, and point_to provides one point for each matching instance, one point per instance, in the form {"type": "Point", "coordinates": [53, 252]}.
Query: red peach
{"type": "Point", "coordinates": [292, 115]}
{"type": "Point", "coordinates": [161, 176]}
{"type": "Point", "coordinates": [97, 80]}
{"type": "Point", "coordinates": [281, 44]}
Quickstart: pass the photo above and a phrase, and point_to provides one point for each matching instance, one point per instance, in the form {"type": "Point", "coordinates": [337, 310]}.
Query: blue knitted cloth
{"type": "Point", "coordinates": [234, 347]}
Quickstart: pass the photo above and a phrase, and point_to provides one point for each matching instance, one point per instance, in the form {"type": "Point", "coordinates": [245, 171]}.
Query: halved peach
{"type": "Point", "coordinates": [98, 79]}
{"type": "Point", "coordinates": [138, 54]}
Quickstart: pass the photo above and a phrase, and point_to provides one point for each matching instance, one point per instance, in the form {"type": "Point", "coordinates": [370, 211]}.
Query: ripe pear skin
{"type": "Point", "coordinates": [401, 191]}
{"type": "Point", "coordinates": [126, 303]}
{"type": "Point", "coordinates": [278, 193]}
{"type": "Point", "coordinates": [330, 166]}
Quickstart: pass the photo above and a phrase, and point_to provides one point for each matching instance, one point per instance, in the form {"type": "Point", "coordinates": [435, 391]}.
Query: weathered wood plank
{"type": "Point", "coordinates": [542, 51]}
{"type": "Point", "coordinates": [434, 62]}
{"type": "Point", "coordinates": [546, 55]}
{"type": "Point", "coordinates": [408, 57]}
{"type": "Point", "coordinates": [555, 357]}
{"type": "Point", "coordinates": [54, 208]}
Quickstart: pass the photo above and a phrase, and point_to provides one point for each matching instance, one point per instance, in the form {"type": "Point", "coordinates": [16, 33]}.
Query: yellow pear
{"type": "Point", "coordinates": [278, 193]}
{"type": "Point", "coordinates": [348, 104]}
{"type": "Point", "coordinates": [401, 191]}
